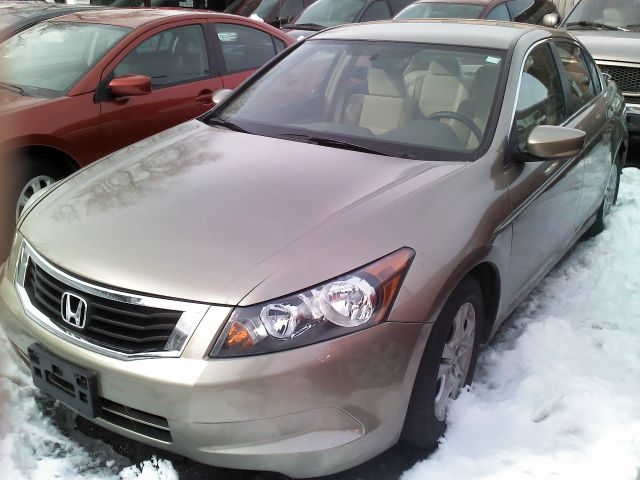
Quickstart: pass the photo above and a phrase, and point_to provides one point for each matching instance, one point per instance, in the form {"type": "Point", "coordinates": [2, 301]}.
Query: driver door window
{"type": "Point", "coordinates": [170, 57]}
{"type": "Point", "coordinates": [540, 101]}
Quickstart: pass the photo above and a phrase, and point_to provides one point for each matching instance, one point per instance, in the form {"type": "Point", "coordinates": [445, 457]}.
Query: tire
{"type": "Point", "coordinates": [23, 177]}
{"type": "Point", "coordinates": [425, 422]}
{"type": "Point", "coordinates": [609, 199]}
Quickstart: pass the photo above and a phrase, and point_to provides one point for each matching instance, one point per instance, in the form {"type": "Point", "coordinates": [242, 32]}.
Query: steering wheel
{"type": "Point", "coordinates": [459, 117]}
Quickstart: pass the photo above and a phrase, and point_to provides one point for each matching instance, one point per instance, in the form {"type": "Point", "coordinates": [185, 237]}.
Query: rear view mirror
{"type": "Point", "coordinates": [220, 96]}
{"type": "Point", "coordinates": [551, 20]}
{"type": "Point", "coordinates": [130, 85]}
{"type": "Point", "coordinates": [547, 141]}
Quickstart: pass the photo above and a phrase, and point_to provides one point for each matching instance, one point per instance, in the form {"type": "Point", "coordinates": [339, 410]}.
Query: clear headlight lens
{"type": "Point", "coordinates": [349, 303]}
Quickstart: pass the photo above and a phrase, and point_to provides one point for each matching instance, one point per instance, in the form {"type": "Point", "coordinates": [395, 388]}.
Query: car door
{"type": "Point", "coordinates": [241, 49]}
{"type": "Point", "coordinates": [590, 113]}
{"type": "Point", "coordinates": [545, 194]}
{"type": "Point", "coordinates": [183, 78]}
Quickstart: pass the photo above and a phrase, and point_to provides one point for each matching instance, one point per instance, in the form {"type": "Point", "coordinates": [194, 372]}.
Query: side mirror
{"type": "Point", "coordinates": [220, 96]}
{"type": "Point", "coordinates": [130, 85]}
{"type": "Point", "coordinates": [547, 141]}
{"type": "Point", "coordinates": [607, 77]}
{"type": "Point", "coordinates": [551, 20]}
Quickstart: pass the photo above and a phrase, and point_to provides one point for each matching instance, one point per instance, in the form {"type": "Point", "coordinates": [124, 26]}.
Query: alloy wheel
{"type": "Point", "coordinates": [455, 359]}
{"type": "Point", "coordinates": [30, 189]}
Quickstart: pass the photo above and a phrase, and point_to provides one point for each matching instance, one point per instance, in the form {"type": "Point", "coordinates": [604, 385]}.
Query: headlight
{"type": "Point", "coordinates": [349, 303]}
{"type": "Point", "coordinates": [12, 261]}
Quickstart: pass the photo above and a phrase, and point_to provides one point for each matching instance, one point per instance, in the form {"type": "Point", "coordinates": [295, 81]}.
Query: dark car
{"type": "Point", "coordinates": [81, 86]}
{"type": "Point", "coordinates": [329, 13]}
{"type": "Point", "coordinates": [16, 16]}
{"type": "Point", "coordinates": [611, 31]}
{"type": "Point", "coordinates": [273, 12]}
{"type": "Point", "coordinates": [526, 11]}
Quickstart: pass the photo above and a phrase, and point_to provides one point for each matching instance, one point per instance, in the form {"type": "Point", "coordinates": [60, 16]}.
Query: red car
{"type": "Point", "coordinates": [78, 87]}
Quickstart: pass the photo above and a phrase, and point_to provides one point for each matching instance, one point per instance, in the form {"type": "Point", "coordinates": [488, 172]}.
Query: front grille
{"type": "Point", "coordinates": [627, 78]}
{"type": "Point", "coordinates": [147, 424]}
{"type": "Point", "coordinates": [119, 326]}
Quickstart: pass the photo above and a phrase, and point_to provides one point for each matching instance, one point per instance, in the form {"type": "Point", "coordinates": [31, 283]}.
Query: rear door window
{"type": "Point", "coordinates": [244, 48]}
{"type": "Point", "coordinates": [376, 11]}
{"type": "Point", "coordinates": [577, 72]}
{"type": "Point", "coordinates": [499, 13]}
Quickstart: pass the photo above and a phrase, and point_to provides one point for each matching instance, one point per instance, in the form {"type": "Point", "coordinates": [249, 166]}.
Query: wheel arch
{"type": "Point", "coordinates": [488, 277]}
{"type": "Point", "coordinates": [65, 162]}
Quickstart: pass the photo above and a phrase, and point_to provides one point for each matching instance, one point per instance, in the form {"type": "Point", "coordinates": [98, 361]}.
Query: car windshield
{"type": "Point", "coordinates": [49, 58]}
{"type": "Point", "coordinates": [399, 99]}
{"type": "Point", "coordinates": [329, 13]}
{"type": "Point", "coordinates": [605, 14]}
{"type": "Point", "coordinates": [441, 10]}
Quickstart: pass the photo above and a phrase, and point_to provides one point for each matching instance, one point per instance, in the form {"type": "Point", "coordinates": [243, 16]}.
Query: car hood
{"type": "Point", "coordinates": [12, 101]}
{"type": "Point", "coordinates": [195, 212]}
{"type": "Point", "coordinates": [615, 46]}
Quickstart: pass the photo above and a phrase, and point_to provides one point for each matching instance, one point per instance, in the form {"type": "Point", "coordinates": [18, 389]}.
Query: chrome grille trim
{"type": "Point", "coordinates": [192, 313]}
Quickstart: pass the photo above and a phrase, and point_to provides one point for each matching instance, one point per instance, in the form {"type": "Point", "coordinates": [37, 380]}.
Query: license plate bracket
{"type": "Point", "coordinates": [74, 386]}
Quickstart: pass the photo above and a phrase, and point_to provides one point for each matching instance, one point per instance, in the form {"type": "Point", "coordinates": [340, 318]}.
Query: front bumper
{"type": "Point", "coordinates": [306, 412]}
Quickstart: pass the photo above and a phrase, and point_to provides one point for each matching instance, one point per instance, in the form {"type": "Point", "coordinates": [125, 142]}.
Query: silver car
{"type": "Point", "coordinates": [304, 275]}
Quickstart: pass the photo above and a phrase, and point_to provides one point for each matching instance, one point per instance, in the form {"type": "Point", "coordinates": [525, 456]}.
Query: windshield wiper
{"type": "Point", "coordinates": [584, 23]}
{"type": "Point", "coordinates": [304, 26]}
{"type": "Point", "coordinates": [331, 142]}
{"type": "Point", "coordinates": [13, 88]}
{"type": "Point", "coordinates": [226, 124]}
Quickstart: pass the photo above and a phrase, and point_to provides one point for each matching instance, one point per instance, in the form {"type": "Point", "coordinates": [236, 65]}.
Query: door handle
{"type": "Point", "coordinates": [205, 97]}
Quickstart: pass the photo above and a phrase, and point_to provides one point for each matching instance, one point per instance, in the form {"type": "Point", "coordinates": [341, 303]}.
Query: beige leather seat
{"type": "Point", "coordinates": [384, 108]}
{"type": "Point", "coordinates": [441, 87]}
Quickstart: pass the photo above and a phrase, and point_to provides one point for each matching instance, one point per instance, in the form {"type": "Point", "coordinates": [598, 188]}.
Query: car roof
{"type": "Point", "coordinates": [472, 33]}
{"type": "Point", "coordinates": [136, 17]}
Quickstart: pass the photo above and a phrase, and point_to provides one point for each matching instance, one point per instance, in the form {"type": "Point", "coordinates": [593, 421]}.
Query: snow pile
{"type": "Point", "coordinates": [557, 394]}
{"type": "Point", "coordinates": [38, 440]}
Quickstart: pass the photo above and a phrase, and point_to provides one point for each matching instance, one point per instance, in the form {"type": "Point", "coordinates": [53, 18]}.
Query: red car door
{"type": "Point", "coordinates": [183, 76]}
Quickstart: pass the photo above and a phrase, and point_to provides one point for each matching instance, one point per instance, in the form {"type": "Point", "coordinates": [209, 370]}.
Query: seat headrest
{"type": "Point", "coordinates": [444, 66]}
{"type": "Point", "coordinates": [385, 83]}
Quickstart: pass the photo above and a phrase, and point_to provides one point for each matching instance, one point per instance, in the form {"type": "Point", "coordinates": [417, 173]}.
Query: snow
{"type": "Point", "coordinates": [556, 393]}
